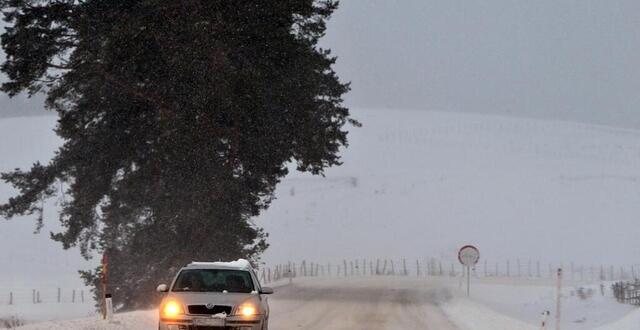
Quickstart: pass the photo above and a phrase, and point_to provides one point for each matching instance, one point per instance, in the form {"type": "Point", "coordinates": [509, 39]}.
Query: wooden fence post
{"type": "Point", "coordinates": [345, 267]}
{"type": "Point", "coordinates": [485, 267]}
{"type": "Point", "coordinates": [404, 267]}
{"type": "Point", "coordinates": [58, 295]}
{"type": "Point", "coordinates": [11, 298]}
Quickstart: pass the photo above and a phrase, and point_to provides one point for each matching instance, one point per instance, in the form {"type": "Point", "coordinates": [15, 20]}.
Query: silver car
{"type": "Point", "coordinates": [215, 295]}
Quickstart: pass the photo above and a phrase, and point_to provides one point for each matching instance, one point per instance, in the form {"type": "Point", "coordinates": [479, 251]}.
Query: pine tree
{"type": "Point", "coordinates": [178, 120]}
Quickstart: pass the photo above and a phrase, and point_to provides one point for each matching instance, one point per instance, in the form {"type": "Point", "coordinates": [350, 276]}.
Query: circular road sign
{"type": "Point", "coordinates": [468, 255]}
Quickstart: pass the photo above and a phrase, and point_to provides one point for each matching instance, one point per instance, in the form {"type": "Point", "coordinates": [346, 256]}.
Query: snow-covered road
{"type": "Point", "coordinates": [359, 303]}
{"type": "Point", "coordinates": [314, 304]}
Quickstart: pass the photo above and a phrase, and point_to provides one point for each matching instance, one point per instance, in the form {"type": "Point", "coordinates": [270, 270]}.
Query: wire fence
{"type": "Point", "coordinates": [435, 267]}
{"type": "Point", "coordinates": [52, 295]}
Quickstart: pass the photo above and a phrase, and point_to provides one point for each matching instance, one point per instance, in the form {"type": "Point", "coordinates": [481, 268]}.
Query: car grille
{"type": "Point", "coordinates": [203, 310]}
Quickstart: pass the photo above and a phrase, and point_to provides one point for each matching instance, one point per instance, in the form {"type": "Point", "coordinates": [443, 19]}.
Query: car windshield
{"type": "Point", "coordinates": [213, 280]}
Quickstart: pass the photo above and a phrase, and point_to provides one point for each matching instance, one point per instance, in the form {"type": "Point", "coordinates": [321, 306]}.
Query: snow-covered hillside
{"type": "Point", "coordinates": [419, 184]}
{"type": "Point", "coordinates": [413, 184]}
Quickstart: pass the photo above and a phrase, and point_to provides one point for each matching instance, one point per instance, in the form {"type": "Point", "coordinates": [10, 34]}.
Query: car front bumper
{"type": "Point", "coordinates": [200, 323]}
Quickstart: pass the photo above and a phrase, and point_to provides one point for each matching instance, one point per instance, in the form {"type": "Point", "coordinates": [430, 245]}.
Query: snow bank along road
{"type": "Point", "coordinates": [356, 303]}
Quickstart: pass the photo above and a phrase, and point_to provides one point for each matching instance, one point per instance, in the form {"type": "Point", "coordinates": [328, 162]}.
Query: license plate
{"type": "Point", "coordinates": [212, 322]}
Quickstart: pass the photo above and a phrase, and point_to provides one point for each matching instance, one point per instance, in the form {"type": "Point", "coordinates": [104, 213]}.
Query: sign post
{"type": "Point", "coordinates": [468, 256]}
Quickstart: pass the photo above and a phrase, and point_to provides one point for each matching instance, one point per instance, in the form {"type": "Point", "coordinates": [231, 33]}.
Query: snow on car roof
{"type": "Point", "coordinates": [238, 264]}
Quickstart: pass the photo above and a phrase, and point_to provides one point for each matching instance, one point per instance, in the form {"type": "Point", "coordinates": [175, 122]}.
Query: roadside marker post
{"type": "Point", "coordinates": [545, 318]}
{"type": "Point", "coordinates": [468, 256]}
{"type": "Point", "coordinates": [104, 280]}
{"type": "Point", "coordinates": [558, 298]}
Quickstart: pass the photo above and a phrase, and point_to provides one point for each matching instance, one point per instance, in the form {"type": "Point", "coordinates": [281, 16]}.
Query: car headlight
{"type": "Point", "coordinates": [247, 310]}
{"type": "Point", "coordinates": [172, 309]}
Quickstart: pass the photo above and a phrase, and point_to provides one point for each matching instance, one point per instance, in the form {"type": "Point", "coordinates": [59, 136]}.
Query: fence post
{"type": "Point", "coordinates": [572, 271]}
{"type": "Point", "coordinates": [404, 267]}
{"type": "Point", "coordinates": [73, 296]}
{"type": "Point", "coordinates": [417, 268]}
{"type": "Point", "coordinates": [58, 295]}
{"type": "Point", "coordinates": [485, 267]}
{"type": "Point", "coordinates": [11, 298]}
{"type": "Point", "coordinates": [82, 295]}
{"type": "Point", "coordinates": [371, 267]}
{"type": "Point", "coordinates": [33, 296]}
{"type": "Point", "coordinates": [611, 272]}
{"type": "Point", "coordinates": [345, 267]}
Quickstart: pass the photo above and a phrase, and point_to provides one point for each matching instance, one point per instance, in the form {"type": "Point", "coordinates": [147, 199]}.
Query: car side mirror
{"type": "Point", "coordinates": [266, 290]}
{"type": "Point", "coordinates": [162, 288]}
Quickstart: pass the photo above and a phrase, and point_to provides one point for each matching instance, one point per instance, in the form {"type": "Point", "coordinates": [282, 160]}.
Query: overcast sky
{"type": "Point", "coordinates": [571, 59]}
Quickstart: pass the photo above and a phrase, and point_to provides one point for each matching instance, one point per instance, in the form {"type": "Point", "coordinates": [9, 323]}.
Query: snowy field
{"type": "Point", "coordinates": [414, 184]}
